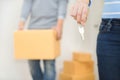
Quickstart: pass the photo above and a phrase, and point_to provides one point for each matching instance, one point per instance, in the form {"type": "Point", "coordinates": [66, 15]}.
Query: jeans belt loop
{"type": "Point", "coordinates": [109, 25]}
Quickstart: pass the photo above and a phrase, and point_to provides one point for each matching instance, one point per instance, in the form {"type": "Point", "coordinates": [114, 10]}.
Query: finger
{"type": "Point", "coordinates": [71, 10]}
{"type": "Point", "coordinates": [19, 28]}
{"type": "Point", "coordinates": [59, 36]}
{"type": "Point", "coordinates": [79, 13]}
{"type": "Point", "coordinates": [84, 14]}
{"type": "Point", "coordinates": [83, 23]}
{"type": "Point", "coordinates": [75, 17]}
{"type": "Point", "coordinates": [75, 10]}
{"type": "Point", "coordinates": [56, 35]}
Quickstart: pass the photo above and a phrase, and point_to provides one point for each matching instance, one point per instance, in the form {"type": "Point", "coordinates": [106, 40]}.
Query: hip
{"type": "Point", "coordinates": [108, 41]}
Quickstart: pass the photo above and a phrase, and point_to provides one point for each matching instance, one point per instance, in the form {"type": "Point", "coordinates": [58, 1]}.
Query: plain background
{"type": "Point", "coordinates": [11, 69]}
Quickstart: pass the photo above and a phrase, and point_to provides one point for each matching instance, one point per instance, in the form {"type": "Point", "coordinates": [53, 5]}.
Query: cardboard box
{"type": "Point", "coordinates": [83, 57]}
{"type": "Point", "coordinates": [64, 76]}
{"type": "Point", "coordinates": [78, 68]}
{"type": "Point", "coordinates": [36, 44]}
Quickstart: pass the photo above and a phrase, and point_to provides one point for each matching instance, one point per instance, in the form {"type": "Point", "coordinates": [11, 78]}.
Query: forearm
{"type": "Point", "coordinates": [60, 23]}
{"type": "Point", "coordinates": [59, 28]}
{"type": "Point", "coordinates": [21, 25]}
{"type": "Point", "coordinates": [86, 1]}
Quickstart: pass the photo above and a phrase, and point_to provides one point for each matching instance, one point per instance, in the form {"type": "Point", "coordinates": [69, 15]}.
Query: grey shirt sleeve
{"type": "Point", "coordinates": [62, 9]}
{"type": "Point", "coordinates": [26, 9]}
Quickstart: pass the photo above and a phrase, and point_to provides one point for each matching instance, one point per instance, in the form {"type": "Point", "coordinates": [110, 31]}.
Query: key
{"type": "Point", "coordinates": [81, 30]}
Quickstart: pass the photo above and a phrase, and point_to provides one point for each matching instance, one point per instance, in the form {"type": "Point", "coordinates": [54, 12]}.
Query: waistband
{"type": "Point", "coordinates": [113, 21]}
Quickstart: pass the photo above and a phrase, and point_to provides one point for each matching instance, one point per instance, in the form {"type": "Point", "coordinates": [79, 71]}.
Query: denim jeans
{"type": "Point", "coordinates": [49, 70]}
{"type": "Point", "coordinates": [108, 49]}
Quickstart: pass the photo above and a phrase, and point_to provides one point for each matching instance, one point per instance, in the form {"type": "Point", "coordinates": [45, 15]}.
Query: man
{"type": "Point", "coordinates": [44, 14]}
{"type": "Point", "coordinates": [108, 42]}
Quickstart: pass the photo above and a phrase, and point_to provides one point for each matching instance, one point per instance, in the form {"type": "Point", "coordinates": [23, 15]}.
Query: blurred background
{"type": "Point", "coordinates": [11, 69]}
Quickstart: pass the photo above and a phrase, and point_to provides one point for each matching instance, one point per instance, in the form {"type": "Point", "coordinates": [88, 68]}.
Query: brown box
{"type": "Point", "coordinates": [64, 76]}
{"type": "Point", "coordinates": [78, 68]}
{"type": "Point", "coordinates": [83, 57]}
{"type": "Point", "coordinates": [36, 44]}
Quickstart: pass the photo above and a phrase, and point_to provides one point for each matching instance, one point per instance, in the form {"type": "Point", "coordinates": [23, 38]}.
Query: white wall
{"type": "Point", "coordinates": [11, 69]}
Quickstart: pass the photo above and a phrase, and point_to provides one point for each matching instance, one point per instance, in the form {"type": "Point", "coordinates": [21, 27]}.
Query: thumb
{"type": "Point", "coordinates": [83, 23]}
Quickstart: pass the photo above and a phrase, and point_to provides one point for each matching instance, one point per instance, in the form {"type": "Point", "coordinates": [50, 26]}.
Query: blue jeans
{"type": "Point", "coordinates": [49, 70]}
{"type": "Point", "coordinates": [108, 50]}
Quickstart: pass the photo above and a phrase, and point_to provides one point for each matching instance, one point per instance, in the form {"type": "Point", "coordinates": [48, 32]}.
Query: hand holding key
{"type": "Point", "coordinates": [80, 10]}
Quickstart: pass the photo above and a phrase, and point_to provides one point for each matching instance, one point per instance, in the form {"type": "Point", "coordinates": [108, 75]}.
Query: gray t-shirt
{"type": "Point", "coordinates": [43, 13]}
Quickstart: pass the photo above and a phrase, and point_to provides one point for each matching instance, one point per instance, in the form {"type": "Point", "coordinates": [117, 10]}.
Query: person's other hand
{"type": "Point", "coordinates": [59, 32]}
{"type": "Point", "coordinates": [21, 25]}
{"type": "Point", "coordinates": [79, 11]}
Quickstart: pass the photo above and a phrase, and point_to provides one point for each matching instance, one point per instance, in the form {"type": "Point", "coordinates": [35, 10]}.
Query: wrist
{"type": "Point", "coordinates": [60, 23]}
{"type": "Point", "coordinates": [21, 24]}
{"type": "Point", "coordinates": [84, 1]}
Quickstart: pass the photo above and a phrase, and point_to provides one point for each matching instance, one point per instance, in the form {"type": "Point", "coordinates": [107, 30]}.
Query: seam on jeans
{"type": "Point", "coordinates": [109, 25]}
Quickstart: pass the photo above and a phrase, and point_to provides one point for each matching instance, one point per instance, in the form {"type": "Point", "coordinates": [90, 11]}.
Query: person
{"type": "Point", "coordinates": [44, 14]}
{"type": "Point", "coordinates": [108, 41]}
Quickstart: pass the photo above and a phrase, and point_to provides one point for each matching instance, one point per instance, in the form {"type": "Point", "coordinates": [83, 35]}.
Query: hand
{"type": "Point", "coordinates": [79, 11]}
{"type": "Point", "coordinates": [59, 32]}
{"type": "Point", "coordinates": [21, 25]}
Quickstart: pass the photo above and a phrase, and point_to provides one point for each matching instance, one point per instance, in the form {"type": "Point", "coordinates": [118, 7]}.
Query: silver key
{"type": "Point", "coordinates": [81, 30]}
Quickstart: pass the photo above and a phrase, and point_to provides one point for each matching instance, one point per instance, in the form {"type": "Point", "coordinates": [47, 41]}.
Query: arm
{"type": "Point", "coordinates": [26, 9]}
{"type": "Point", "coordinates": [62, 9]}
